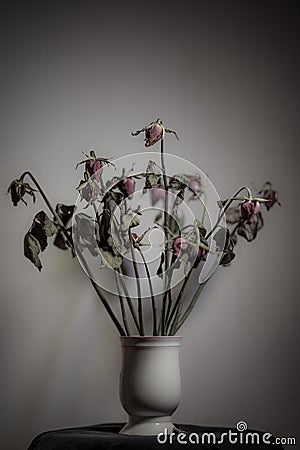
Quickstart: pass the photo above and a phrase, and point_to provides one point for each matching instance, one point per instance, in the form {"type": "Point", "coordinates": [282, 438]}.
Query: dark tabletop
{"type": "Point", "coordinates": [105, 436]}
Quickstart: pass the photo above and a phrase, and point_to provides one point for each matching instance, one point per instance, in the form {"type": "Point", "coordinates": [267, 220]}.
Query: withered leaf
{"type": "Point", "coordinates": [249, 230]}
{"type": "Point", "coordinates": [35, 240]}
{"type": "Point", "coordinates": [32, 249]}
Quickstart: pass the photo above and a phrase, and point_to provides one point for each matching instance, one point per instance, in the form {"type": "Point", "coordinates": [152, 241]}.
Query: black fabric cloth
{"type": "Point", "coordinates": [105, 437]}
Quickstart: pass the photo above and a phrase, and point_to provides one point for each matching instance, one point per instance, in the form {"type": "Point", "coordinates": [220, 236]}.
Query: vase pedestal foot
{"type": "Point", "coordinates": [148, 426]}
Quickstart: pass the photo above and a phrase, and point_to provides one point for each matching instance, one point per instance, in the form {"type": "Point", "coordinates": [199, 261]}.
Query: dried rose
{"type": "Point", "coordinates": [18, 189]}
{"type": "Point", "coordinates": [154, 132]}
{"type": "Point", "coordinates": [195, 185]}
{"type": "Point", "coordinates": [93, 165]}
{"type": "Point", "coordinates": [127, 186]}
{"type": "Point", "coordinates": [249, 209]}
{"type": "Point", "coordinates": [178, 245]}
{"type": "Point", "coordinates": [269, 194]}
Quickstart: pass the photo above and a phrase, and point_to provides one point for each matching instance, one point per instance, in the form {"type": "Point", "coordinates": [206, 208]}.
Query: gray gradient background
{"type": "Point", "coordinates": [225, 76]}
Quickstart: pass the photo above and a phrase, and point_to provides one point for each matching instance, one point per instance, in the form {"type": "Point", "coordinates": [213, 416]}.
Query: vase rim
{"type": "Point", "coordinates": [132, 341]}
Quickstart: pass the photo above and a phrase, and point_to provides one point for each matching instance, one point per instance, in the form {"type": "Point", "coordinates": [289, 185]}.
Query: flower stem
{"type": "Point", "coordinates": [204, 208]}
{"type": "Point", "coordinates": [189, 309]}
{"type": "Point", "coordinates": [124, 318]}
{"type": "Point", "coordinates": [225, 207]}
{"type": "Point", "coordinates": [129, 302]}
{"type": "Point", "coordinates": [108, 308]}
{"type": "Point", "coordinates": [166, 228]}
{"type": "Point", "coordinates": [138, 285]}
{"type": "Point", "coordinates": [178, 305]}
{"type": "Point", "coordinates": [68, 237]}
{"type": "Point", "coordinates": [154, 309]}
{"type": "Point", "coordinates": [46, 200]}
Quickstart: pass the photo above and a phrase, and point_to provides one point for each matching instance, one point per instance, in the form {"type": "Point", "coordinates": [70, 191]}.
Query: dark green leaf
{"type": "Point", "coordinates": [225, 244]}
{"type": "Point", "coordinates": [249, 230]}
{"type": "Point", "coordinates": [152, 176]}
{"type": "Point", "coordinates": [60, 241]}
{"type": "Point", "coordinates": [47, 225]}
{"type": "Point", "coordinates": [35, 240]}
{"type": "Point", "coordinates": [227, 258]}
{"type": "Point", "coordinates": [173, 225]}
{"type": "Point", "coordinates": [179, 182]}
{"type": "Point", "coordinates": [65, 212]}
{"type": "Point", "coordinates": [32, 249]}
{"type": "Point", "coordinates": [152, 180]}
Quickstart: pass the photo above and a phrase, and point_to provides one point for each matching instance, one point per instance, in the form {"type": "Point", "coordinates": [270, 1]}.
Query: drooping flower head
{"type": "Point", "coordinates": [195, 185]}
{"type": "Point", "coordinates": [93, 165]}
{"type": "Point", "coordinates": [154, 132]}
{"type": "Point", "coordinates": [18, 189]}
{"type": "Point", "coordinates": [127, 186]}
{"type": "Point", "coordinates": [249, 209]}
{"type": "Point", "coordinates": [178, 245]}
{"type": "Point", "coordinates": [268, 193]}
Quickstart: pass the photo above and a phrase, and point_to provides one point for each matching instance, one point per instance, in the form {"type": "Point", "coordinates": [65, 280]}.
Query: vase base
{"type": "Point", "coordinates": [148, 426]}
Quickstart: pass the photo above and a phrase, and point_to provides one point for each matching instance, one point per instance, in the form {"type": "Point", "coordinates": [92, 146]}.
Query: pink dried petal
{"type": "Point", "coordinates": [94, 167]}
{"type": "Point", "coordinates": [178, 245]}
{"type": "Point", "coordinates": [127, 186]}
{"type": "Point", "coordinates": [249, 209]}
{"type": "Point", "coordinates": [195, 183]}
{"type": "Point", "coordinates": [153, 135]}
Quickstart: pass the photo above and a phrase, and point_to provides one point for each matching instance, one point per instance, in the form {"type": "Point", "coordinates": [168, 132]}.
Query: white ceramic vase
{"type": "Point", "coordinates": [150, 383]}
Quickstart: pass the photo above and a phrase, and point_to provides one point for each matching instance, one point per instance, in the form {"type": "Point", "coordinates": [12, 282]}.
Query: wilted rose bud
{"type": "Point", "coordinates": [178, 245]}
{"type": "Point", "coordinates": [153, 134]}
{"type": "Point", "coordinates": [17, 191]}
{"type": "Point", "coordinates": [94, 167]}
{"type": "Point", "coordinates": [272, 197]}
{"type": "Point", "coordinates": [249, 209]}
{"type": "Point", "coordinates": [195, 184]}
{"type": "Point", "coordinates": [127, 186]}
{"type": "Point", "coordinates": [157, 193]}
